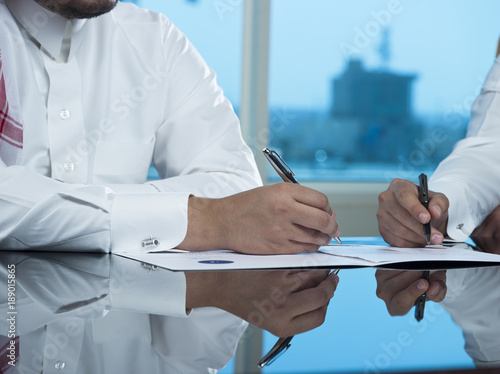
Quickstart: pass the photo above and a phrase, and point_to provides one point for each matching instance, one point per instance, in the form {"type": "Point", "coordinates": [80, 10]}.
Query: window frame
{"type": "Point", "coordinates": [348, 199]}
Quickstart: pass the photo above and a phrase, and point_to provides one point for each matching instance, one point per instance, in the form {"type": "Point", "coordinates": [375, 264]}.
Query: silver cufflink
{"type": "Point", "coordinates": [150, 243]}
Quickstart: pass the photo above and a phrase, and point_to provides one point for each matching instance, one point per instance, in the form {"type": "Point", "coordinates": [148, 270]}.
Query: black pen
{"type": "Point", "coordinates": [287, 175]}
{"type": "Point", "coordinates": [420, 303]}
{"type": "Point", "coordinates": [424, 200]}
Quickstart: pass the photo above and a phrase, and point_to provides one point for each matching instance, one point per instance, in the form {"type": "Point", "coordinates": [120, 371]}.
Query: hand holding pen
{"type": "Point", "coordinates": [402, 214]}
{"type": "Point", "coordinates": [286, 175]}
{"type": "Point", "coordinates": [284, 171]}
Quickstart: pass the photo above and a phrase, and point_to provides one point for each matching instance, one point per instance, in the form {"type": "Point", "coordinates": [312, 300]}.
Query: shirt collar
{"type": "Point", "coordinates": [46, 27]}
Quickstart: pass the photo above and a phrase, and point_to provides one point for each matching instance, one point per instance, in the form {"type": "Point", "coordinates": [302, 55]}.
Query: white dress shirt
{"type": "Point", "coordinates": [101, 100]}
{"type": "Point", "coordinates": [470, 175]}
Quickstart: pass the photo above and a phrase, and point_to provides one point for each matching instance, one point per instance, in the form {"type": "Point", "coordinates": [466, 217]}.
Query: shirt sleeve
{"type": "Point", "coordinates": [470, 175]}
{"type": "Point", "coordinates": [39, 212]}
{"type": "Point", "coordinates": [86, 286]}
{"type": "Point", "coordinates": [199, 145]}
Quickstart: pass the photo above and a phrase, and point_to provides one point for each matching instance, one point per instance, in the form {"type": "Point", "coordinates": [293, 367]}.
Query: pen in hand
{"type": "Point", "coordinates": [424, 200]}
{"type": "Point", "coordinates": [420, 303]}
{"type": "Point", "coordinates": [287, 175]}
{"type": "Point", "coordinates": [284, 171]}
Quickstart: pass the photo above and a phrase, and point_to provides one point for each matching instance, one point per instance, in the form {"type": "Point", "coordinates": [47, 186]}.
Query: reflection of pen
{"type": "Point", "coordinates": [424, 199]}
{"type": "Point", "coordinates": [284, 171]}
{"type": "Point", "coordinates": [420, 303]}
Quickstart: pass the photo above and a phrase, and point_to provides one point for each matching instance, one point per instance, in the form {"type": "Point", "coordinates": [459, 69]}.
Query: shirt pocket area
{"type": "Point", "coordinates": [122, 162]}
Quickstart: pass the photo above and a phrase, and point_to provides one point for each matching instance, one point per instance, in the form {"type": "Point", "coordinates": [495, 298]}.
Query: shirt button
{"type": "Point", "coordinates": [59, 365]}
{"type": "Point", "coordinates": [69, 167]}
{"type": "Point", "coordinates": [64, 114]}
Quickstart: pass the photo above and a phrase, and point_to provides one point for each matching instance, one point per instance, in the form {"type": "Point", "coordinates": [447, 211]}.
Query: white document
{"type": "Point", "coordinates": [328, 257]}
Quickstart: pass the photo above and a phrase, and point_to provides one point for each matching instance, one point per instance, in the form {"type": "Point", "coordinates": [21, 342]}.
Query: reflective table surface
{"type": "Point", "coordinates": [58, 316]}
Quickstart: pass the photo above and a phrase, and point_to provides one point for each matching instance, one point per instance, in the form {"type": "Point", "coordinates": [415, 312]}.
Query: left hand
{"type": "Point", "coordinates": [400, 289]}
{"type": "Point", "coordinates": [487, 234]}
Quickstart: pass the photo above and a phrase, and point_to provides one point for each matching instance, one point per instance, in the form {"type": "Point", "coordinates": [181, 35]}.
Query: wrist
{"type": "Point", "coordinates": [204, 289]}
{"type": "Point", "coordinates": [205, 231]}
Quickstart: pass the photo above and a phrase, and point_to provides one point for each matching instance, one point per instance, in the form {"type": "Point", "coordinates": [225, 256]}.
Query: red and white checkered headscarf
{"type": "Point", "coordinates": [11, 128]}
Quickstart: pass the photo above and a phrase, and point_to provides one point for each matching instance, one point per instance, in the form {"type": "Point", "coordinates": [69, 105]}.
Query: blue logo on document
{"type": "Point", "coordinates": [215, 262]}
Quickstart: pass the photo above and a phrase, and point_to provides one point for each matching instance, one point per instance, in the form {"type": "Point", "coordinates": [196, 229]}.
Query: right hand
{"type": "Point", "coordinates": [277, 219]}
{"type": "Point", "coordinates": [284, 303]}
{"type": "Point", "coordinates": [401, 215]}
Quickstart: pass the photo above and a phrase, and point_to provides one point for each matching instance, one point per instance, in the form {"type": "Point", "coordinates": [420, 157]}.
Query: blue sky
{"type": "Point", "coordinates": [449, 43]}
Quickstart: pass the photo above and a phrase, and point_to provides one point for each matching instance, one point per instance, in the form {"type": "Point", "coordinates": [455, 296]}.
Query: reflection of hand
{"type": "Point", "coordinates": [487, 234]}
{"type": "Point", "coordinates": [401, 215]}
{"type": "Point", "coordinates": [282, 218]}
{"type": "Point", "coordinates": [400, 289]}
{"type": "Point", "coordinates": [282, 302]}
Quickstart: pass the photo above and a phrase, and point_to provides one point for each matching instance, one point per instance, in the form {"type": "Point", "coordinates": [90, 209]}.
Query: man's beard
{"type": "Point", "coordinates": [78, 9]}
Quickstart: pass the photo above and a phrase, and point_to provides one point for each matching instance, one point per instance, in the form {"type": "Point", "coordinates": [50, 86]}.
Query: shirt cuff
{"type": "Point", "coordinates": [159, 217]}
{"type": "Point", "coordinates": [138, 288]}
{"type": "Point", "coordinates": [460, 223]}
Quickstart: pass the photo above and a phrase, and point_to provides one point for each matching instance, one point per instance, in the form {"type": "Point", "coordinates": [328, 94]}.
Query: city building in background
{"type": "Point", "coordinates": [369, 133]}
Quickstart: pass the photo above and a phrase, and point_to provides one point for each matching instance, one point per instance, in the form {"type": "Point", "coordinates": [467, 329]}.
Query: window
{"type": "Point", "coordinates": [373, 90]}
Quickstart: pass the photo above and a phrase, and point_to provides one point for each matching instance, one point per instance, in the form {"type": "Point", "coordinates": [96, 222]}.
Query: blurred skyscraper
{"type": "Point", "coordinates": [372, 109]}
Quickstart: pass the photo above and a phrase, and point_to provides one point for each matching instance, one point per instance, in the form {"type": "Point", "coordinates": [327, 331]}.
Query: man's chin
{"type": "Point", "coordinates": [78, 9]}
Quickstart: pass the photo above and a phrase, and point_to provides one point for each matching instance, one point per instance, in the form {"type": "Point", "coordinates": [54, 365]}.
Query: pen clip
{"type": "Point", "coordinates": [424, 190]}
{"type": "Point", "coordinates": [281, 167]}
{"type": "Point", "coordinates": [288, 169]}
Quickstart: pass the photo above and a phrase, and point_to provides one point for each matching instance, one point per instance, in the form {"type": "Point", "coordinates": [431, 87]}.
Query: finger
{"type": "Point", "coordinates": [437, 286]}
{"type": "Point", "coordinates": [310, 236]}
{"type": "Point", "coordinates": [407, 195]}
{"type": "Point", "coordinates": [396, 219]}
{"type": "Point", "coordinates": [313, 298]}
{"type": "Point", "coordinates": [391, 286]}
{"type": "Point", "coordinates": [404, 300]}
{"type": "Point", "coordinates": [312, 198]}
{"type": "Point", "coordinates": [384, 275]}
{"type": "Point", "coordinates": [306, 279]}
{"type": "Point", "coordinates": [436, 236]}
{"type": "Point", "coordinates": [308, 321]}
{"type": "Point", "coordinates": [314, 218]}
{"type": "Point", "coordinates": [397, 241]}
{"type": "Point", "coordinates": [287, 247]}
{"type": "Point", "coordinates": [438, 205]}
{"type": "Point", "coordinates": [398, 234]}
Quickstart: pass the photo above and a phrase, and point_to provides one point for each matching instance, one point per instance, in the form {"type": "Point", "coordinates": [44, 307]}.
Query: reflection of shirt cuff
{"type": "Point", "coordinates": [137, 217]}
{"type": "Point", "coordinates": [134, 287]}
{"type": "Point", "coordinates": [460, 224]}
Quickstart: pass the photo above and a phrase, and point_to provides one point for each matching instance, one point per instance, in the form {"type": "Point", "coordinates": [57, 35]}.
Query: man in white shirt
{"type": "Point", "coordinates": [101, 98]}
{"type": "Point", "coordinates": [464, 200]}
